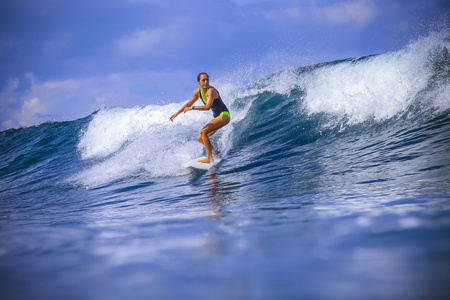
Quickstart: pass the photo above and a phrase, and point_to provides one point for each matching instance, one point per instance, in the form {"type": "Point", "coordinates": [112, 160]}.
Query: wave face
{"type": "Point", "coordinates": [359, 143]}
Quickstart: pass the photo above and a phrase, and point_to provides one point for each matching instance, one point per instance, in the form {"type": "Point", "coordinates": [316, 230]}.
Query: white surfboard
{"type": "Point", "coordinates": [195, 163]}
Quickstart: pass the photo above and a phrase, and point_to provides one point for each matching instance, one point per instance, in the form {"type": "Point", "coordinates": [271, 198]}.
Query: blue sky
{"type": "Point", "coordinates": [64, 59]}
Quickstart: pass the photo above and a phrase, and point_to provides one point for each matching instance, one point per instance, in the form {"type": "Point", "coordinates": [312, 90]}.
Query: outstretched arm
{"type": "Point", "coordinates": [187, 105]}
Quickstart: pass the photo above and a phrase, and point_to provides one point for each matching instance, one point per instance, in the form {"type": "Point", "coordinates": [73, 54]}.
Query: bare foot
{"type": "Point", "coordinates": [205, 161]}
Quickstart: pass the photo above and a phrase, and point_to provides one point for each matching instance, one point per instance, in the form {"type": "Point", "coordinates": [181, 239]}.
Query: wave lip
{"type": "Point", "coordinates": [382, 86]}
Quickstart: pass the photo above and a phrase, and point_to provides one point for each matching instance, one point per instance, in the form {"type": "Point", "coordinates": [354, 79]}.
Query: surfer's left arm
{"type": "Point", "coordinates": [212, 95]}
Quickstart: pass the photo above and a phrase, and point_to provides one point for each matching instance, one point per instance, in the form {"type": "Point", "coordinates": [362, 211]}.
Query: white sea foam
{"type": "Point", "coordinates": [123, 142]}
{"type": "Point", "coordinates": [119, 143]}
{"type": "Point", "coordinates": [378, 87]}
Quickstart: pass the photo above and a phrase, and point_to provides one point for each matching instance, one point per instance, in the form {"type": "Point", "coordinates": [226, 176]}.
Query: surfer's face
{"type": "Point", "coordinates": [204, 81]}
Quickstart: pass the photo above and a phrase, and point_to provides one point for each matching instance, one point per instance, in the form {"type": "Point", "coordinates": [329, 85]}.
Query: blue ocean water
{"type": "Point", "coordinates": [334, 184]}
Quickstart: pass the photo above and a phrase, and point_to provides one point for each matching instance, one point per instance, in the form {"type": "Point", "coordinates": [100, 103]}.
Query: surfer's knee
{"type": "Point", "coordinates": [203, 133]}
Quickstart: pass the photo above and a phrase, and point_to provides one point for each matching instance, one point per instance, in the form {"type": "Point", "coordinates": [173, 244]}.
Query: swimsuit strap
{"type": "Point", "coordinates": [203, 97]}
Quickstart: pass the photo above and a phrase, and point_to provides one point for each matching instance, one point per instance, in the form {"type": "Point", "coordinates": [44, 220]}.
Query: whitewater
{"type": "Point", "coordinates": [334, 184]}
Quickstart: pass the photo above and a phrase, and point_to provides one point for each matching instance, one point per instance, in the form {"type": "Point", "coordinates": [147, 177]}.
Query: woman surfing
{"type": "Point", "coordinates": [211, 100]}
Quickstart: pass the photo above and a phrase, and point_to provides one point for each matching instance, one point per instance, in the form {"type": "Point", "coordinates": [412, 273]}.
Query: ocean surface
{"type": "Point", "coordinates": [334, 184]}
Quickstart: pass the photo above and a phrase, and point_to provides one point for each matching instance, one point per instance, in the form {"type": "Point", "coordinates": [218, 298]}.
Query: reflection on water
{"type": "Point", "coordinates": [218, 193]}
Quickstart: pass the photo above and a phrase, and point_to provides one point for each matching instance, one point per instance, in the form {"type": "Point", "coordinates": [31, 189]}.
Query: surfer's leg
{"type": "Point", "coordinates": [200, 140]}
{"type": "Point", "coordinates": [209, 130]}
{"type": "Point", "coordinates": [215, 152]}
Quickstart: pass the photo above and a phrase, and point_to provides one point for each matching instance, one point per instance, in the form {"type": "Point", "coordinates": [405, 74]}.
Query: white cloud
{"type": "Point", "coordinates": [30, 111]}
{"type": "Point", "coordinates": [18, 110]}
{"type": "Point", "coordinates": [162, 42]}
{"type": "Point", "coordinates": [359, 12]}
{"type": "Point", "coordinates": [142, 42]}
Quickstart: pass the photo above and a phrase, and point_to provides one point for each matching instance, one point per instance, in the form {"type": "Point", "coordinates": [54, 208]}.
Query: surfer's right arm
{"type": "Point", "coordinates": [188, 104]}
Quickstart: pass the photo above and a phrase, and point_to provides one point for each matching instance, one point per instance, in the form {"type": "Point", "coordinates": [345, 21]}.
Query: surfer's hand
{"type": "Point", "coordinates": [173, 117]}
{"type": "Point", "coordinates": [186, 109]}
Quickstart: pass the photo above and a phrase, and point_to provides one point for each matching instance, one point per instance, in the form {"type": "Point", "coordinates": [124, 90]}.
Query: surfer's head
{"type": "Point", "coordinates": [200, 75]}
{"type": "Point", "coordinates": [203, 80]}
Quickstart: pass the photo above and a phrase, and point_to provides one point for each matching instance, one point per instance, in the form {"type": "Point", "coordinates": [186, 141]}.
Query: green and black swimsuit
{"type": "Point", "coordinates": [218, 107]}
